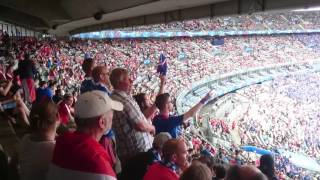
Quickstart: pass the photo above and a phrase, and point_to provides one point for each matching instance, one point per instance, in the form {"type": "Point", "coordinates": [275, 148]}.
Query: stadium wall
{"type": "Point", "coordinates": [158, 34]}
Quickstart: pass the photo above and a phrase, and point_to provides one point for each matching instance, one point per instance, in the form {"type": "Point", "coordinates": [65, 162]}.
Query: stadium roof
{"type": "Point", "coordinates": [64, 17]}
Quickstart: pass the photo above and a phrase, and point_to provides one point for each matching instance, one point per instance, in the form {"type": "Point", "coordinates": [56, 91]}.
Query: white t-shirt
{"type": "Point", "coordinates": [35, 157]}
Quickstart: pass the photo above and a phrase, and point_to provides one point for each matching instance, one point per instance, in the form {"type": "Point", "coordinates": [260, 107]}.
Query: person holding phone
{"type": "Point", "coordinates": [12, 103]}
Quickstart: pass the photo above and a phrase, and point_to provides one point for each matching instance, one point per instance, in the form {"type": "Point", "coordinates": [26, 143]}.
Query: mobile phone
{"type": "Point", "coordinates": [9, 105]}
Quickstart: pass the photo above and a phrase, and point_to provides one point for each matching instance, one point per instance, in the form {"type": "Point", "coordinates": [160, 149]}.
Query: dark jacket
{"type": "Point", "coordinates": [26, 69]}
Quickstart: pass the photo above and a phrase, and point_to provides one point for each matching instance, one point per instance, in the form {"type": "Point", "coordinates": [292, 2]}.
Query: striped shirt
{"type": "Point", "coordinates": [129, 140]}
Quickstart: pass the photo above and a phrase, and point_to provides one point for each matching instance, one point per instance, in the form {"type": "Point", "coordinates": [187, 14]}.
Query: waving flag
{"type": "Point", "coordinates": [162, 66]}
{"type": "Point", "coordinates": [87, 56]}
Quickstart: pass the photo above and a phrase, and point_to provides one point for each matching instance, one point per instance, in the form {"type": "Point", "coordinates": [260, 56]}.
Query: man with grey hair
{"type": "Point", "coordinates": [133, 131]}
{"type": "Point", "coordinates": [158, 142]}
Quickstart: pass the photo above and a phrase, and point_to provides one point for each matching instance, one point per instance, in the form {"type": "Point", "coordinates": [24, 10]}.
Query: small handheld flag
{"type": "Point", "coordinates": [162, 66]}
{"type": "Point", "coordinates": [87, 56]}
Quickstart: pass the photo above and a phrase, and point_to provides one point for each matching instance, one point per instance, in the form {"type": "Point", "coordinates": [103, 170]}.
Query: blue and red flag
{"type": "Point", "coordinates": [162, 66]}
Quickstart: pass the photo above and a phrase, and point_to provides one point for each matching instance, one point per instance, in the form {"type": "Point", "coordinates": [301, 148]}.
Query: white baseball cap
{"type": "Point", "coordinates": [95, 103]}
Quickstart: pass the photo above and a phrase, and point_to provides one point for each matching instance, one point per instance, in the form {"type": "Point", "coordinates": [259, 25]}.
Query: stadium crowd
{"type": "Point", "coordinates": [289, 20]}
{"type": "Point", "coordinates": [288, 96]}
{"type": "Point", "coordinates": [72, 136]}
{"type": "Point", "coordinates": [288, 101]}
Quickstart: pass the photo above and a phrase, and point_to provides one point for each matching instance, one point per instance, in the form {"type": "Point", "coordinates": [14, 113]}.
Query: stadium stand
{"type": "Point", "coordinates": [270, 107]}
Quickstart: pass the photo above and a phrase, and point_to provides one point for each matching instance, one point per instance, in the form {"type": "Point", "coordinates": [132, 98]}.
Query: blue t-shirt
{"type": "Point", "coordinates": [170, 125]}
{"type": "Point", "coordinates": [89, 85]}
{"type": "Point", "coordinates": [101, 87]}
{"type": "Point", "coordinates": [43, 94]}
{"type": "Point", "coordinates": [86, 85]}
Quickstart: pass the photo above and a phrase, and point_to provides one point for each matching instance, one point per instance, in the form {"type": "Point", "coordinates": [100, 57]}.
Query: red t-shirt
{"type": "Point", "coordinates": [78, 152]}
{"type": "Point", "coordinates": [63, 113]}
{"type": "Point", "coordinates": [160, 172]}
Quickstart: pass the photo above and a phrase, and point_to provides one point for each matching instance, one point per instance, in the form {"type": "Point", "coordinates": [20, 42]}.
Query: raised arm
{"type": "Point", "coordinates": [150, 112]}
{"type": "Point", "coordinates": [163, 80]}
{"type": "Point", "coordinates": [196, 108]}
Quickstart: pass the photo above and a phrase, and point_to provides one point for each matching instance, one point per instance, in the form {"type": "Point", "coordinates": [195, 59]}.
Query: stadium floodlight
{"type": "Point", "coordinates": [316, 8]}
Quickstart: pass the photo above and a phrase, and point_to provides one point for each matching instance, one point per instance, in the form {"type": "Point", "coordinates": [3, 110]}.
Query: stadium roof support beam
{"type": "Point", "coordinates": [44, 13]}
{"type": "Point", "coordinates": [65, 17]}
{"type": "Point", "coordinates": [16, 17]}
{"type": "Point", "coordinates": [223, 8]}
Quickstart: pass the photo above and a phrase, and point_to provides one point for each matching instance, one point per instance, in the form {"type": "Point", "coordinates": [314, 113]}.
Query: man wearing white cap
{"type": "Point", "coordinates": [78, 155]}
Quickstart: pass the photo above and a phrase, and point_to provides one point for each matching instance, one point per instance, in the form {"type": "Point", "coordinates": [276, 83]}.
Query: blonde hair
{"type": "Point", "coordinates": [96, 72]}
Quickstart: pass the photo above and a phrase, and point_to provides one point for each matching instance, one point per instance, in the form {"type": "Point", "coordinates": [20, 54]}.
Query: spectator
{"type": "Point", "coordinates": [36, 149]}
{"type": "Point", "coordinates": [133, 131]}
{"type": "Point", "coordinates": [78, 155]}
{"type": "Point", "coordinates": [219, 171]}
{"type": "Point", "coordinates": [109, 143]}
{"type": "Point", "coordinates": [5, 87]}
{"type": "Point", "coordinates": [100, 77]}
{"type": "Point", "coordinates": [87, 67]}
{"type": "Point", "coordinates": [238, 159]}
{"type": "Point", "coordinates": [26, 71]}
{"type": "Point", "coordinates": [138, 165]}
{"type": "Point", "coordinates": [164, 122]}
{"type": "Point", "coordinates": [174, 162]}
{"type": "Point", "coordinates": [197, 171]}
{"type": "Point", "coordinates": [239, 172]}
{"type": "Point", "coordinates": [58, 96]}
{"type": "Point", "coordinates": [52, 85]}
{"type": "Point", "coordinates": [267, 166]}
{"type": "Point", "coordinates": [11, 102]}
{"type": "Point", "coordinates": [157, 145]}
{"type": "Point", "coordinates": [43, 93]}
{"type": "Point", "coordinates": [9, 74]}
{"type": "Point", "coordinates": [65, 109]}
{"type": "Point", "coordinates": [207, 160]}
{"type": "Point", "coordinates": [145, 105]}
{"type": "Point", "coordinates": [148, 109]}
{"type": "Point", "coordinates": [101, 82]}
